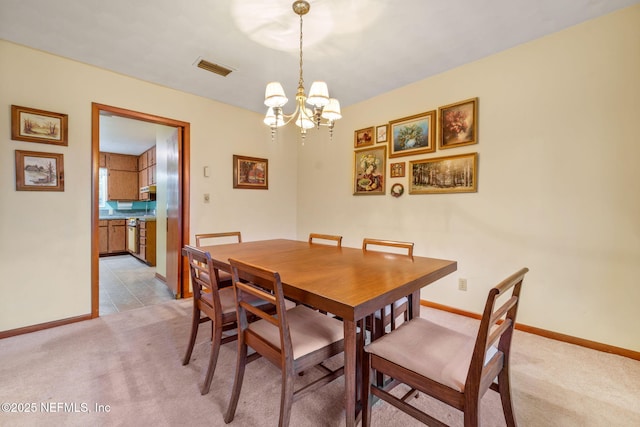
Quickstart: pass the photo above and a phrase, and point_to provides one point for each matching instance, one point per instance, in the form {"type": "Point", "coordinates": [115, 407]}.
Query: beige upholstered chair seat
{"type": "Point", "coordinates": [447, 351]}
{"type": "Point", "coordinates": [310, 330]}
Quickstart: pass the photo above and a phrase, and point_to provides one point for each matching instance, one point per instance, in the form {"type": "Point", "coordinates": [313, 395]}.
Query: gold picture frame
{"type": "Point", "coordinates": [397, 169]}
{"type": "Point", "coordinates": [38, 171]}
{"type": "Point", "coordinates": [381, 133]}
{"type": "Point", "coordinates": [250, 172]}
{"type": "Point", "coordinates": [458, 124]}
{"type": "Point", "coordinates": [452, 174]}
{"type": "Point", "coordinates": [413, 135]}
{"type": "Point", "coordinates": [33, 125]}
{"type": "Point", "coordinates": [363, 137]}
{"type": "Point", "coordinates": [369, 166]}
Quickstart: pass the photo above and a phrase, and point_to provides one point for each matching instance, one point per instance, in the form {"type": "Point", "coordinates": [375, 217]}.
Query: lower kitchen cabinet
{"type": "Point", "coordinates": [147, 241]}
{"type": "Point", "coordinates": [111, 236]}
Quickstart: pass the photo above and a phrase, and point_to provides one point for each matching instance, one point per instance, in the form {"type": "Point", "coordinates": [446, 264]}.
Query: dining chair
{"type": "Point", "coordinates": [223, 278]}
{"type": "Point", "coordinates": [209, 304]}
{"type": "Point", "coordinates": [388, 315]}
{"type": "Point", "coordinates": [294, 340]}
{"type": "Point", "coordinates": [330, 237]}
{"type": "Point", "coordinates": [448, 365]}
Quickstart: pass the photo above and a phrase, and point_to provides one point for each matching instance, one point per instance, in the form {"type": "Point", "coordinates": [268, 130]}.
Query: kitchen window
{"type": "Point", "coordinates": [102, 188]}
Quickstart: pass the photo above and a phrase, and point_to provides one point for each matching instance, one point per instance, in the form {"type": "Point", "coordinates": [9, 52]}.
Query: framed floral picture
{"type": "Point", "coordinates": [458, 124]}
{"type": "Point", "coordinates": [31, 125]}
{"type": "Point", "coordinates": [452, 174]}
{"type": "Point", "coordinates": [37, 171]}
{"type": "Point", "coordinates": [363, 137]}
{"type": "Point", "coordinates": [381, 133]}
{"type": "Point", "coordinates": [250, 172]}
{"type": "Point", "coordinates": [413, 135]}
{"type": "Point", "coordinates": [369, 171]}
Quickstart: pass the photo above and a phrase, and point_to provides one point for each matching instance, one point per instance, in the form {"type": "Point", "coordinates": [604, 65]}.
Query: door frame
{"type": "Point", "coordinates": [183, 185]}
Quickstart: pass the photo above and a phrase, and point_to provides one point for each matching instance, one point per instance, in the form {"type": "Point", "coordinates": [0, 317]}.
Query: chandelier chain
{"type": "Point", "coordinates": [301, 81]}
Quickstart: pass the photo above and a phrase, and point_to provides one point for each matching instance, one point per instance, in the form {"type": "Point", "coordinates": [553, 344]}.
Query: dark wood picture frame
{"type": "Point", "coordinates": [413, 135]}
{"type": "Point", "coordinates": [38, 171]}
{"type": "Point", "coordinates": [250, 172]}
{"type": "Point", "coordinates": [451, 174]}
{"type": "Point", "coordinates": [33, 125]}
{"type": "Point", "coordinates": [458, 124]}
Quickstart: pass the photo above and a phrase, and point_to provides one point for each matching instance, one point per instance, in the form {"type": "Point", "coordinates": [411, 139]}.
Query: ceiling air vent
{"type": "Point", "coordinates": [214, 68]}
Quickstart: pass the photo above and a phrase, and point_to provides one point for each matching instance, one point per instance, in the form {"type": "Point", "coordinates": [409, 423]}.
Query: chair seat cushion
{"type": "Point", "coordinates": [310, 330]}
{"type": "Point", "coordinates": [396, 306]}
{"type": "Point", "coordinates": [429, 349]}
{"type": "Point", "coordinates": [227, 300]}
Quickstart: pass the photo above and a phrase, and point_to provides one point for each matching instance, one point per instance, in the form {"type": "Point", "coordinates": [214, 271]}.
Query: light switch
{"type": "Point", "coordinates": [206, 171]}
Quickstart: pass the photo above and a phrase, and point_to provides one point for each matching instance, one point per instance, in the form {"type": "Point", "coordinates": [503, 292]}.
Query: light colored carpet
{"type": "Point", "coordinates": [131, 362]}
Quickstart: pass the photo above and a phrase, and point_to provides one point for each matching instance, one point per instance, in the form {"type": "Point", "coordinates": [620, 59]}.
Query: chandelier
{"type": "Point", "coordinates": [322, 110]}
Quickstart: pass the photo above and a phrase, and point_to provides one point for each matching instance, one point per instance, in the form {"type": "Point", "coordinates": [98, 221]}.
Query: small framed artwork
{"type": "Point", "coordinates": [381, 133]}
{"type": "Point", "coordinates": [397, 170]}
{"type": "Point", "coordinates": [250, 172]}
{"type": "Point", "coordinates": [413, 135]}
{"type": "Point", "coordinates": [369, 171]}
{"type": "Point", "coordinates": [458, 124]}
{"type": "Point", "coordinates": [29, 124]}
{"type": "Point", "coordinates": [452, 174]}
{"type": "Point", "coordinates": [37, 171]}
{"type": "Point", "coordinates": [363, 137]}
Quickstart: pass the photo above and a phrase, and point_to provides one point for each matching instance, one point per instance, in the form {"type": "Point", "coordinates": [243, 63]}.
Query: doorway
{"type": "Point", "coordinates": [177, 213]}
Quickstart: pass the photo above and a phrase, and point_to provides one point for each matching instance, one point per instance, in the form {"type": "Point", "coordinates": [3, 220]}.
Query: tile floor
{"type": "Point", "coordinates": [126, 283]}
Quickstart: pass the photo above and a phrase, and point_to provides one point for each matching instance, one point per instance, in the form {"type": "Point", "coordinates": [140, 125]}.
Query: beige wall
{"type": "Point", "coordinates": [45, 239]}
{"type": "Point", "coordinates": [558, 186]}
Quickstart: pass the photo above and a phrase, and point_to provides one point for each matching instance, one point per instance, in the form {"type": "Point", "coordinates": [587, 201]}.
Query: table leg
{"type": "Point", "coordinates": [350, 381]}
{"type": "Point", "coordinates": [414, 305]}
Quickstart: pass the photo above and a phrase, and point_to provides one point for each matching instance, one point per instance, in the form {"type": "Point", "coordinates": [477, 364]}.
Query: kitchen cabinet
{"type": "Point", "coordinates": [147, 172]}
{"type": "Point", "coordinates": [102, 160]}
{"type": "Point", "coordinates": [122, 162]}
{"type": "Point", "coordinates": [147, 239]}
{"type": "Point", "coordinates": [117, 236]}
{"type": "Point", "coordinates": [111, 236]}
{"type": "Point", "coordinates": [122, 185]}
{"type": "Point", "coordinates": [103, 237]}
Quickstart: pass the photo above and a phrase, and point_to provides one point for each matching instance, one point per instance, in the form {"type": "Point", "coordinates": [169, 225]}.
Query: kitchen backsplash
{"type": "Point", "coordinates": [137, 209]}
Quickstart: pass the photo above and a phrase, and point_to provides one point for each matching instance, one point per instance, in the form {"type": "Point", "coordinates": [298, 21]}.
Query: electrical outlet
{"type": "Point", "coordinates": [207, 198]}
{"type": "Point", "coordinates": [462, 284]}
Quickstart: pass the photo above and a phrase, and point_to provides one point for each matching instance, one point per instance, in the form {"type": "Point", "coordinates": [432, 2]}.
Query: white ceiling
{"type": "Point", "coordinates": [361, 48]}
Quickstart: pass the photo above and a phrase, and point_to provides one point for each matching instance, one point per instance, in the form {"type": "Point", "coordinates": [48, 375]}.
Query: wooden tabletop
{"type": "Point", "coordinates": [348, 282]}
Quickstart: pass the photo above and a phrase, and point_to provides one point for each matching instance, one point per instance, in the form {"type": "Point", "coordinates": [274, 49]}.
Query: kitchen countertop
{"type": "Point", "coordinates": [141, 217]}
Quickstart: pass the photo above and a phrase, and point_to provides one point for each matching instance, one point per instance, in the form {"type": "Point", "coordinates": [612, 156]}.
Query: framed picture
{"type": "Point", "coordinates": [453, 174]}
{"type": "Point", "coordinates": [29, 124]}
{"type": "Point", "coordinates": [458, 124]}
{"type": "Point", "coordinates": [363, 137]}
{"type": "Point", "coordinates": [37, 171]}
{"type": "Point", "coordinates": [369, 171]}
{"type": "Point", "coordinates": [250, 172]}
{"type": "Point", "coordinates": [413, 135]}
{"type": "Point", "coordinates": [381, 133]}
{"type": "Point", "coordinates": [397, 170]}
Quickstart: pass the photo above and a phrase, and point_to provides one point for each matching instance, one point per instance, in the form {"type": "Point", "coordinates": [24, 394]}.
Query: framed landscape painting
{"type": "Point", "coordinates": [458, 124]}
{"type": "Point", "coordinates": [250, 172]}
{"type": "Point", "coordinates": [36, 171]}
{"type": "Point", "coordinates": [369, 171]}
{"type": "Point", "coordinates": [29, 124]}
{"type": "Point", "coordinates": [452, 174]}
{"type": "Point", "coordinates": [413, 135]}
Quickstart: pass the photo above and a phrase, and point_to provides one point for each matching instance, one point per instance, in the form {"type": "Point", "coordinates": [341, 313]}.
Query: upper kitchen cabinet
{"type": "Point", "coordinates": [122, 180]}
{"type": "Point", "coordinates": [147, 173]}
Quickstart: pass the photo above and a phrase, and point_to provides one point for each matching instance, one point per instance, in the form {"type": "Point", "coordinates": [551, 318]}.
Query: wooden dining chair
{"type": "Point", "coordinates": [452, 367]}
{"type": "Point", "coordinates": [223, 278]}
{"type": "Point", "coordinates": [329, 237]}
{"type": "Point", "coordinates": [209, 304]}
{"type": "Point", "coordinates": [294, 340]}
{"type": "Point", "coordinates": [388, 316]}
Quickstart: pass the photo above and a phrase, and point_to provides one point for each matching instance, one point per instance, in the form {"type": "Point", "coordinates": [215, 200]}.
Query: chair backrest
{"type": "Point", "coordinates": [496, 326]}
{"type": "Point", "coordinates": [202, 274]}
{"type": "Point", "coordinates": [201, 237]}
{"type": "Point", "coordinates": [366, 242]}
{"type": "Point", "coordinates": [337, 239]}
{"type": "Point", "coordinates": [253, 283]}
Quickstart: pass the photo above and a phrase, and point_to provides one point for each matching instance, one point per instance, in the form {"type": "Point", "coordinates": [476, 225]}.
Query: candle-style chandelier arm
{"type": "Point", "coordinates": [324, 110]}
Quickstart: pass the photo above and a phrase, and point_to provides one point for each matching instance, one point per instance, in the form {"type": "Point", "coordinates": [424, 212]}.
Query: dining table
{"type": "Point", "coordinates": [347, 282]}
